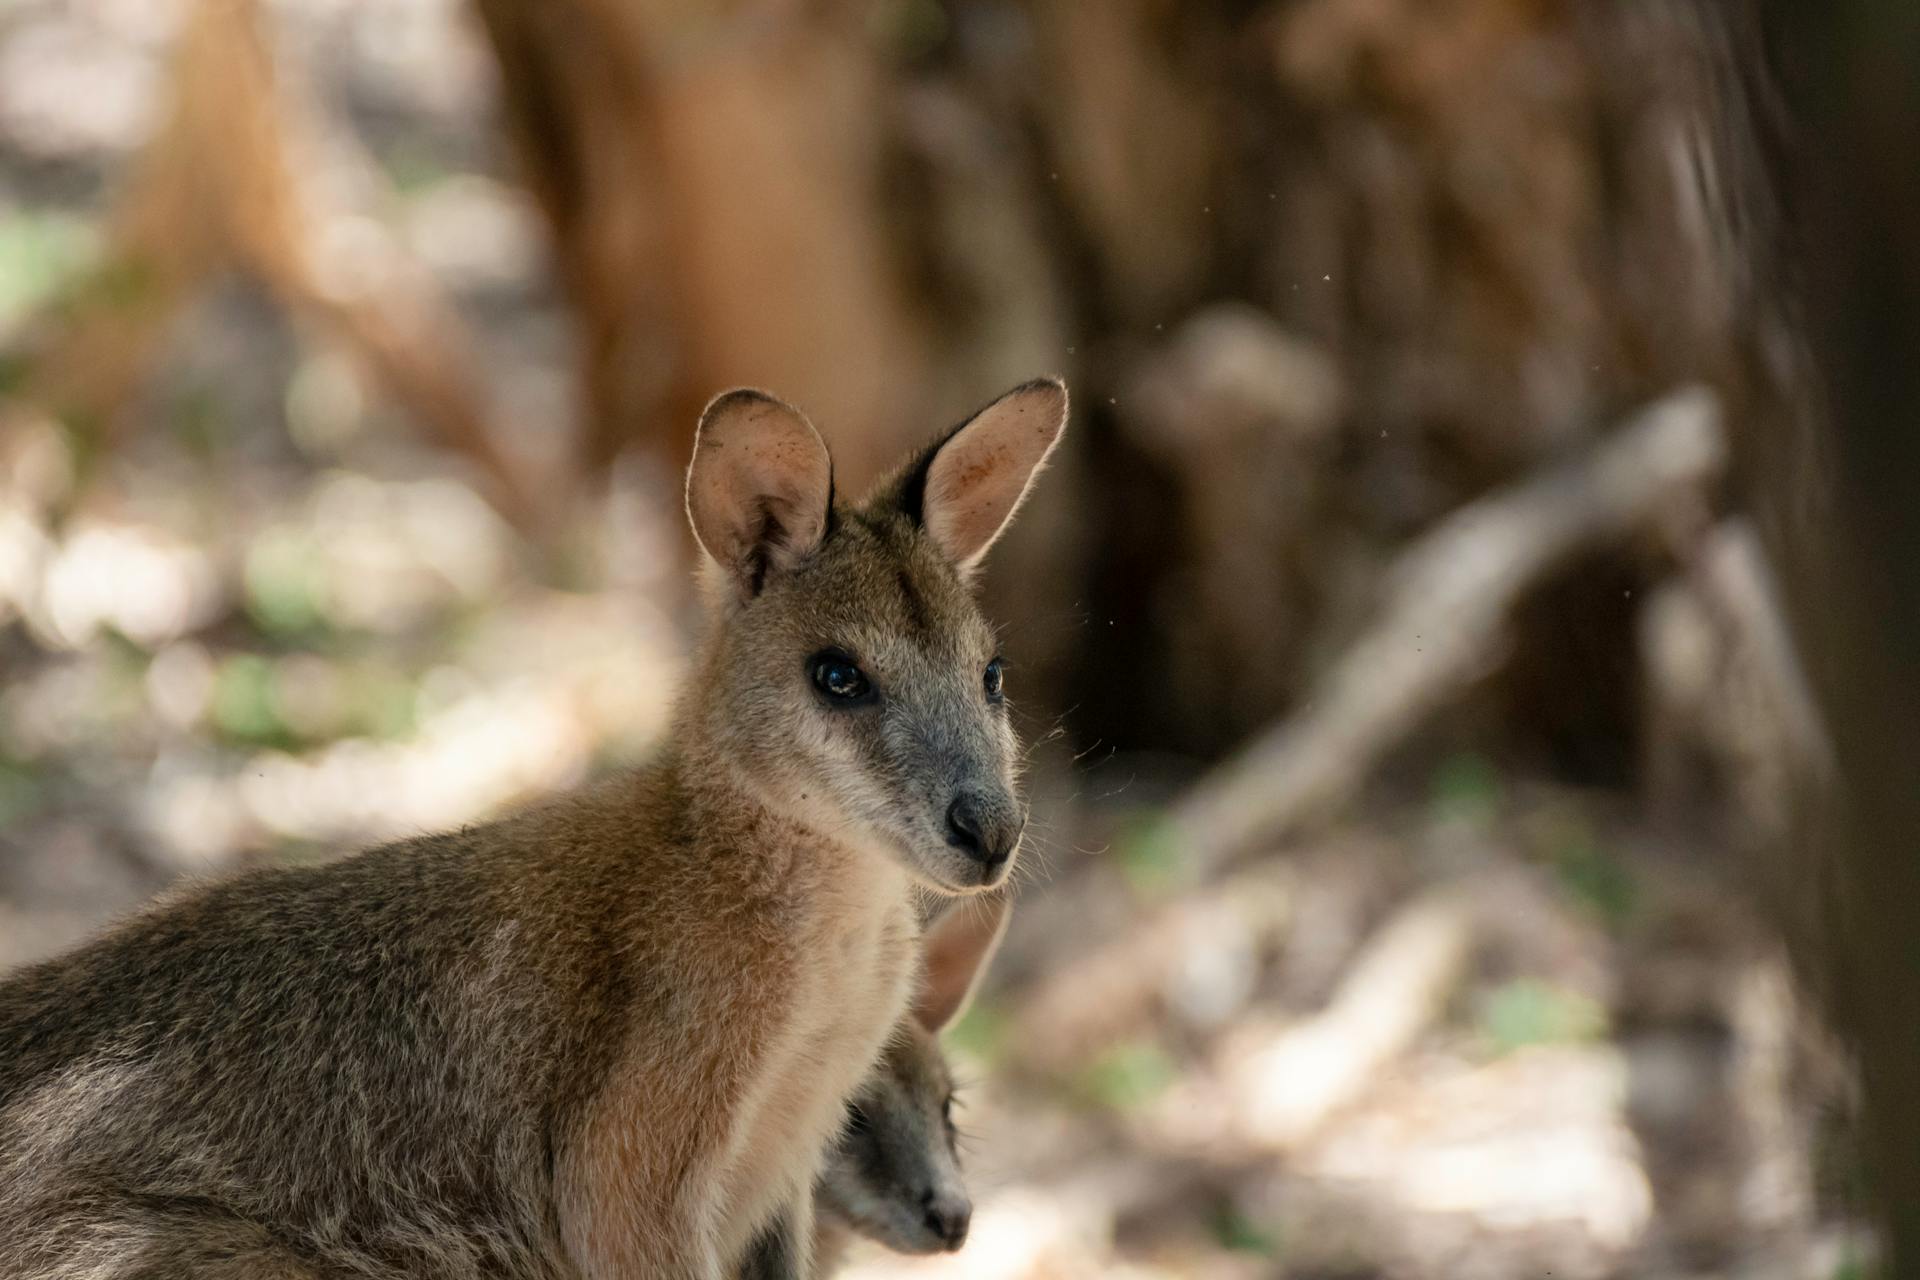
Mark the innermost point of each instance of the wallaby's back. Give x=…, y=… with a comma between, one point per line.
x=375, y=1053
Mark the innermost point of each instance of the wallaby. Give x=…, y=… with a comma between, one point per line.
x=894, y=1175
x=610, y=1037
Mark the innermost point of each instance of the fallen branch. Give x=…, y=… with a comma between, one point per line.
x=1270, y=1093
x=1278, y=1086
x=1448, y=601
x=1175, y=957
x=1450, y=596
x=1735, y=577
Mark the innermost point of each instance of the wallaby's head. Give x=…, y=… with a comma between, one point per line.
x=850, y=677
x=895, y=1177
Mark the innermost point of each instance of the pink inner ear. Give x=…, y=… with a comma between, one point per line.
x=758, y=488
x=957, y=949
x=979, y=476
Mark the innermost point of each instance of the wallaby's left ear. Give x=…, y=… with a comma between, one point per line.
x=978, y=475
x=956, y=949
x=759, y=488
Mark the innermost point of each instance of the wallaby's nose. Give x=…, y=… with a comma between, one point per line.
x=980, y=830
x=947, y=1217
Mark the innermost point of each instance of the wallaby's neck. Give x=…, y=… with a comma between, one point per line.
x=711, y=773
x=697, y=730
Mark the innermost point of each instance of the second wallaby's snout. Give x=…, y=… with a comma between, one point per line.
x=894, y=1176
x=861, y=683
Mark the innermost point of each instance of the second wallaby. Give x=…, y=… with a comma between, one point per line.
x=894, y=1174
x=608, y=1038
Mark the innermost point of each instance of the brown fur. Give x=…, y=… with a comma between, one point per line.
x=894, y=1176
x=609, y=1037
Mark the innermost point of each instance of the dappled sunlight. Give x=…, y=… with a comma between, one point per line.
x=1415, y=724
x=137, y=581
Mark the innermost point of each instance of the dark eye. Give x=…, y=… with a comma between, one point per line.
x=839, y=677
x=946, y=1111
x=993, y=678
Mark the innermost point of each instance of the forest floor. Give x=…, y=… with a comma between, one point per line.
x=1480, y=1026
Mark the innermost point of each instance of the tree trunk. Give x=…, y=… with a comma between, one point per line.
x=1839, y=486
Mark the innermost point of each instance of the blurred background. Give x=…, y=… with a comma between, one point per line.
x=1413, y=709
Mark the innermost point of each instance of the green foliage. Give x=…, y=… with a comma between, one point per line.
x=118, y=284
x=40, y=254
x=981, y=1032
x=1127, y=1076
x=1563, y=838
x=1466, y=789
x=285, y=583
x=20, y=793
x=252, y=702
x=243, y=707
x=1529, y=1011
x=385, y=703
x=412, y=166
x=1598, y=879
x=1852, y=1266
x=1149, y=854
x=199, y=419
x=1233, y=1229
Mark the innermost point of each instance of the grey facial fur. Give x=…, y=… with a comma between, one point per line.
x=931, y=746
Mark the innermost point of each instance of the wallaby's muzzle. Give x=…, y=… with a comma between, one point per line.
x=987, y=829
x=949, y=1214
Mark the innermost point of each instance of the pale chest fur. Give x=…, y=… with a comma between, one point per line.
x=853, y=975
x=709, y=1125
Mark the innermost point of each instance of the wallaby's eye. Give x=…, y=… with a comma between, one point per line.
x=946, y=1110
x=839, y=677
x=996, y=674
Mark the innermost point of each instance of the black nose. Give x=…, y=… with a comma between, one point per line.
x=972, y=827
x=947, y=1218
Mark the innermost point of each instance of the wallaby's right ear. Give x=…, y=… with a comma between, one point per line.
x=759, y=486
x=966, y=490
x=956, y=948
